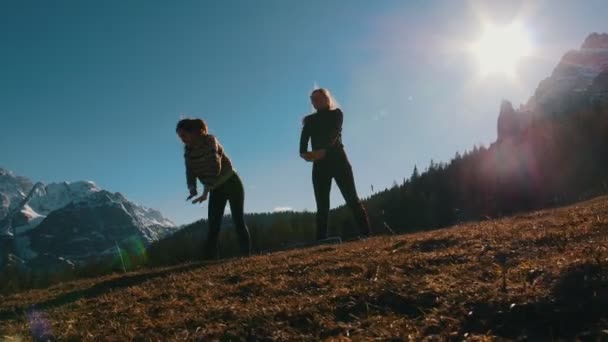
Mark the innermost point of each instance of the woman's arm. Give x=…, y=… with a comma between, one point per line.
x=190, y=180
x=305, y=136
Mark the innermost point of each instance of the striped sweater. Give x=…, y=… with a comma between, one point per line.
x=207, y=161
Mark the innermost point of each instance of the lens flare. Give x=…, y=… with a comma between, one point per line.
x=129, y=254
x=40, y=326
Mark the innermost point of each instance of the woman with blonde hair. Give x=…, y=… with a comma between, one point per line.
x=324, y=130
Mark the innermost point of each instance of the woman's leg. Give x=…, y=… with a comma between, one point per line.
x=346, y=182
x=236, y=197
x=321, y=180
x=217, y=205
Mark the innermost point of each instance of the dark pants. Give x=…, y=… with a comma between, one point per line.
x=231, y=191
x=336, y=166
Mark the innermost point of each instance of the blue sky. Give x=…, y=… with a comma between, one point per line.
x=93, y=89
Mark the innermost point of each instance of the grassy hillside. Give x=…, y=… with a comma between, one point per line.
x=541, y=275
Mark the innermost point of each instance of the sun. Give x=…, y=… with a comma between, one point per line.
x=499, y=49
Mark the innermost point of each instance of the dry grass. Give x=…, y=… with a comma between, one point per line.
x=542, y=275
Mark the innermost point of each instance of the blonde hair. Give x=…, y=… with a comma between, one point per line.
x=333, y=104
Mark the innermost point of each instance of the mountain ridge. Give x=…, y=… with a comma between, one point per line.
x=70, y=219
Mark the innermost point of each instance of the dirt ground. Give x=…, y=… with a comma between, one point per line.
x=535, y=276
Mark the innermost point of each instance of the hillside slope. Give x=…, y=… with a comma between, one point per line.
x=447, y=284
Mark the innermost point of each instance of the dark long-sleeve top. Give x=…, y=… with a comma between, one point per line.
x=323, y=129
x=207, y=161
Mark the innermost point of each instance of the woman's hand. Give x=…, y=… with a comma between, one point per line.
x=201, y=199
x=307, y=156
x=193, y=194
x=314, y=155
x=320, y=154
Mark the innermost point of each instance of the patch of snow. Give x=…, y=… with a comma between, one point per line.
x=5, y=232
x=30, y=213
x=57, y=195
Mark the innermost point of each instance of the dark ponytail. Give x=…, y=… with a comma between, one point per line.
x=192, y=126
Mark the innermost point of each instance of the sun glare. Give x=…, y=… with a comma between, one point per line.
x=500, y=49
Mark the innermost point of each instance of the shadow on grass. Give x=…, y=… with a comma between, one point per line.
x=576, y=308
x=97, y=290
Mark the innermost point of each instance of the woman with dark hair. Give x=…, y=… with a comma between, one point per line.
x=324, y=129
x=206, y=161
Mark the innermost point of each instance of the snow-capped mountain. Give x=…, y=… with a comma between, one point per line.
x=57, y=195
x=12, y=189
x=75, y=220
x=95, y=225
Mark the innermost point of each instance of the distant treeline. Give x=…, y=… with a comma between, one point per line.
x=17, y=275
